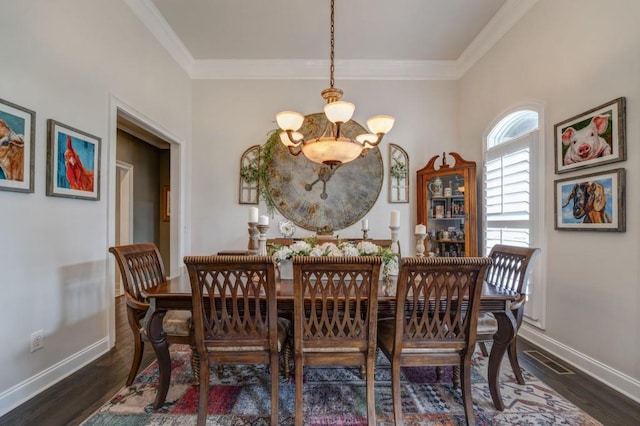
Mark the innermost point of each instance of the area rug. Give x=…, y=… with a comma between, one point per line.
x=335, y=396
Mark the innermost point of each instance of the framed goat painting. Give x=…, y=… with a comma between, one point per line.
x=17, y=135
x=73, y=162
x=592, y=138
x=594, y=202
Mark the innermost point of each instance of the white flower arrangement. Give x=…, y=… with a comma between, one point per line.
x=363, y=248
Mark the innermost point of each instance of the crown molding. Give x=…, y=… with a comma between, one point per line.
x=316, y=69
x=151, y=17
x=510, y=13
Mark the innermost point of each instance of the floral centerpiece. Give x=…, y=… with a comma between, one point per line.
x=310, y=247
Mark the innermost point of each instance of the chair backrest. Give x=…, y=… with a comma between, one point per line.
x=511, y=267
x=234, y=300
x=335, y=302
x=141, y=268
x=437, y=300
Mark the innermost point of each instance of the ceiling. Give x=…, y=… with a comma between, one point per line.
x=434, y=38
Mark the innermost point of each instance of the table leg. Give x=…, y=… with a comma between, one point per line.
x=157, y=337
x=506, y=332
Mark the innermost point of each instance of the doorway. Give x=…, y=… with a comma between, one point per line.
x=124, y=212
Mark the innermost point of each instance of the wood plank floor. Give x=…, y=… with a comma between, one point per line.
x=75, y=398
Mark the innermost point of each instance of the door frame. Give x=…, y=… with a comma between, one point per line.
x=178, y=239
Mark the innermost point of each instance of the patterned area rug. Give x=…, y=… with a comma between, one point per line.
x=335, y=396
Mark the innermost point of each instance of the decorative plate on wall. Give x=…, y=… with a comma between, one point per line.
x=315, y=196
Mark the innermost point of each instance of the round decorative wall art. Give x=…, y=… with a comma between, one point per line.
x=315, y=196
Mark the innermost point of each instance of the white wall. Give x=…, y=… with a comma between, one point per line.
x=231, y=116
x=574, y=56
x=65, y=60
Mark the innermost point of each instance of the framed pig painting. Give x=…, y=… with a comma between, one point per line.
x=593, y=202
x=592, y=138
x=73, y=162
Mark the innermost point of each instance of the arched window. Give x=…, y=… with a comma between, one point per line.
x=512, y=207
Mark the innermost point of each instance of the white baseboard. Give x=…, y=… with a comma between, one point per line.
x=22, y=392
x=621, y=382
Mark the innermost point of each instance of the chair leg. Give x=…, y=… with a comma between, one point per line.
x=203, y=392
x=395, y=389
x=138, y=350
x=456, y=377
x=483, y=349
x=438, y=373
x=195, y=364
x=513, y=359
x=299, y=376
x=371, y=397
x=286, y=359
x=467, y=400
x=275, y=381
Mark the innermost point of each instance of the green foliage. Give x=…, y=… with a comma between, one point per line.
x=266, y=156
x=249, y=173
x=399, y=171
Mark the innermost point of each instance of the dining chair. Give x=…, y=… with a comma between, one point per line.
x=510, y=270
x=436, y=314
x=335, y=310
x=141, y=268
x=235, y=318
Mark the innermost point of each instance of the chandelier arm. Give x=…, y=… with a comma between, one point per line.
x=295, y=150
x=290, y=136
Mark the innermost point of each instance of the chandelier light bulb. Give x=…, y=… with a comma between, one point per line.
x=339, y=112
x=296, y=136
x=380, y=124
x=289, y=120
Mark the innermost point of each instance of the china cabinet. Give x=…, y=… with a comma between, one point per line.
x=447, y=206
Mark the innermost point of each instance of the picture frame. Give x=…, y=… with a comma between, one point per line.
x=165, y=203
x=73, y=162
x=17, y=147
x=398, y=174
x=593, y=138
x=592, y=202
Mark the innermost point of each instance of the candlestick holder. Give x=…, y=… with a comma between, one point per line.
x=420, y=244
x=252, y=247
x=262, y=240
x=394, y=239
x=365, y=234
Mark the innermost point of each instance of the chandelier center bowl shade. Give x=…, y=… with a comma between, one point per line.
x=332, y=148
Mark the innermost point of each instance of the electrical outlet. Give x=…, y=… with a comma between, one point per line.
x=37, y=340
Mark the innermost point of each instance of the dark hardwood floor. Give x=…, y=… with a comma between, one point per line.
x=75, y=398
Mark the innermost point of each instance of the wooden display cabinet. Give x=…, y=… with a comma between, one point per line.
x=447, y=206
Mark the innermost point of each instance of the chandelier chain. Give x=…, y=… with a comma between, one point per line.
x=332, y=67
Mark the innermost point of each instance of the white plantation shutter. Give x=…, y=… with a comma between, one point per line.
x=507, y=194
x=512, y=200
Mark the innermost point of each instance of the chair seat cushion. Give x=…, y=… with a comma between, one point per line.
x=284, y=328
x=487, y=323
x=176, y=323
x=385, y=340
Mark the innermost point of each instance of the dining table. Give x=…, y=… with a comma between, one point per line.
x=175, y=293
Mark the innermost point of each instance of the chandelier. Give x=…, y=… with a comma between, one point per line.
x=332, y=148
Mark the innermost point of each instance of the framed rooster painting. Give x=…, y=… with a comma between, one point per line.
x=17, y=131
x=73, y=162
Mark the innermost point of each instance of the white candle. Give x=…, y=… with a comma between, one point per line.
x=395, y=218
x=421, y=229
x=365, y=223
x=253, y=214
x=263, y=220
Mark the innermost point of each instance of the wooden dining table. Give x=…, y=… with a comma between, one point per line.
x=176, y=294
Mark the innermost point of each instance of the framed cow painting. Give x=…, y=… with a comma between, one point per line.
x=592, y=138
x=73, y=162
x=594, y=202
x=17, y=134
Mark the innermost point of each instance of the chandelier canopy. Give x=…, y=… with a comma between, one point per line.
x=332, y=148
